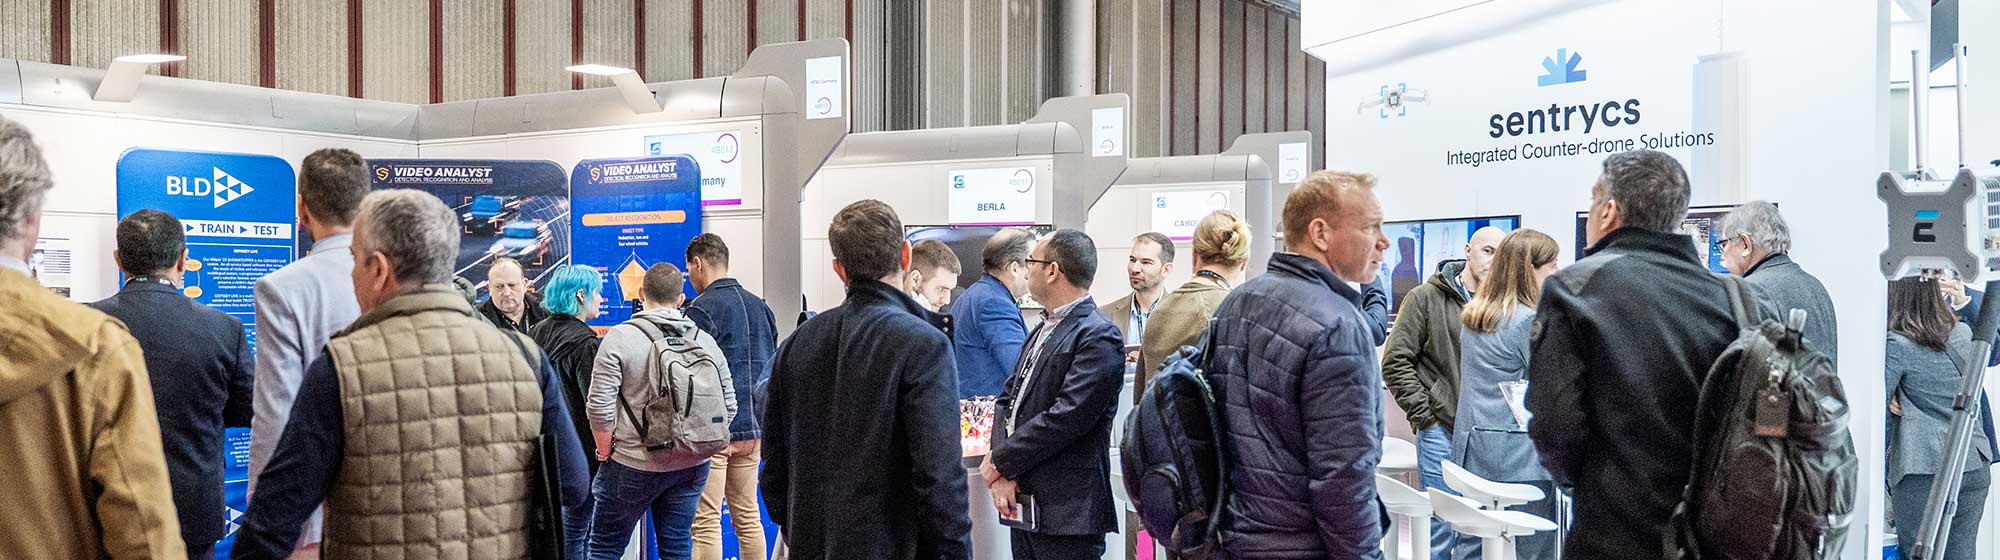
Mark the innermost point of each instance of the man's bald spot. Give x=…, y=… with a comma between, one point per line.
x=1486, y=235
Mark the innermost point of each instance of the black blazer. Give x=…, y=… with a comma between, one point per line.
x=199, y=365
x=1059, y=449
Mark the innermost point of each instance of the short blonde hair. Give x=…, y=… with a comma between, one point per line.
x=1222, y=238
x=1319, y=196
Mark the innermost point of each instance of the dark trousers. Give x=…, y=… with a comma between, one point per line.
x=622, y=494
x=1037, y=546
x=201, y=552
x=1907, y=507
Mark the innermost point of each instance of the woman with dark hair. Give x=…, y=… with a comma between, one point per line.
x=1921, y=376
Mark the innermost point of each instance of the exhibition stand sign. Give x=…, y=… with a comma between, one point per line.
x=506, y=209
x=629, y=214
x=997, y=196
x=719, y=154
x=1176, y=213
x=239, y=214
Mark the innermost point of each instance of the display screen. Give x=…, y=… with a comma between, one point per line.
x=966, y=242
x=1417, y=247
x=1703, y=225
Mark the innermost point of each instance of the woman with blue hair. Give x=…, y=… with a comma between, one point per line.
x=573, y=296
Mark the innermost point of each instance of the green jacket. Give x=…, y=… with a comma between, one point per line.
x=1420, y=362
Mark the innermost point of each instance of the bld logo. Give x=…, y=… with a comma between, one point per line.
x=958, y=181
x=1561, y=69
x=224, y=187
x=1159, y=202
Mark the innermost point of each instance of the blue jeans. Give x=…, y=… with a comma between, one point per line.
x=1433, y=448
x=576, y=531
x=623, y=494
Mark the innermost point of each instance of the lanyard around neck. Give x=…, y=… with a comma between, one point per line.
x=1211, y=275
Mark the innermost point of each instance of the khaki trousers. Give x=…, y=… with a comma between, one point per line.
x=732, y=478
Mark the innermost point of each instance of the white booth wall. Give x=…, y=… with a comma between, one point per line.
x=83, y=147
x=1797, y=120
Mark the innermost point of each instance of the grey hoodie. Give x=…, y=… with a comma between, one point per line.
x=621, y=370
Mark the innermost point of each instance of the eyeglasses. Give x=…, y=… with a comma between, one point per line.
x=1038, y=261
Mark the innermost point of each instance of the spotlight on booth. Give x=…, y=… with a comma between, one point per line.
x=121, y=81
x=634, y=90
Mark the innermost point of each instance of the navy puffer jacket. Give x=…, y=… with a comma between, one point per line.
x=1295, y=368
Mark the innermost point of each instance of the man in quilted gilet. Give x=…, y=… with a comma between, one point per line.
x=417, y=425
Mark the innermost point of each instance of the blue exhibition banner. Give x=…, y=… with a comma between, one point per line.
x=238, y=210
x=629, y=214
x=506, y=208
x=239, y=214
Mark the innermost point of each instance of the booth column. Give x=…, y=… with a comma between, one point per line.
x=1078, y=19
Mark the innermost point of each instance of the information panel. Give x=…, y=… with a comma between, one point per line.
x=998, y=196
x=1176, y=213
x=630, y=213
x=238, y=210
x=718, y=154
x=512, y=209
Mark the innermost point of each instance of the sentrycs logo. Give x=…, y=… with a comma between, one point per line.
x=221, y=185
x=1561, y=69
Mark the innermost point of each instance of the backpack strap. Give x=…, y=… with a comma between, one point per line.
x=1204, y=347
x=1742, y=301
x=652, y=332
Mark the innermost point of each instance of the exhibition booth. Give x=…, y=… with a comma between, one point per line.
x=1473, y=114
x=613, y=178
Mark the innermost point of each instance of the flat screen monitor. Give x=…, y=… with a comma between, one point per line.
x=1703, y=226
x=966, y=242
x=1416, y=247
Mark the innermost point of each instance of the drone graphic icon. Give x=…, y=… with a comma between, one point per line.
x=1396, y=100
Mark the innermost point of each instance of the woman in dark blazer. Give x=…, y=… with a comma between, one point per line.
x=1921, y=376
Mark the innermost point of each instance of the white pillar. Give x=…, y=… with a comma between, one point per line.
x=1078, y=47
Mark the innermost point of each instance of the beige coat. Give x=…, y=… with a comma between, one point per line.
x=81, y=438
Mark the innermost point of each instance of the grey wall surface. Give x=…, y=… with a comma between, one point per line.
x=1200, y=72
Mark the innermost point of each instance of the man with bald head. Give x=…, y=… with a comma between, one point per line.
x=1421, y=361
x=509, y=304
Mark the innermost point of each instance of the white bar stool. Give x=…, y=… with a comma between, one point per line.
x=1408, y=507
x=1399, y=457
x=1495, y=529
x=1488, y=494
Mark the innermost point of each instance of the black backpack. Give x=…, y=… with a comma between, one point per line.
x=1774, y=466
x=1172, y=455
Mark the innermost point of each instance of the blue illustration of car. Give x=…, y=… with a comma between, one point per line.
x=489, y=212
x=523, y=240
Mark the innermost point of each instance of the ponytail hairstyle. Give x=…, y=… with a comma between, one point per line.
x=1222, y=238
x=1512, y=282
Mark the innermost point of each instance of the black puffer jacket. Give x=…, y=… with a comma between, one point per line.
x=572, y=349
x=1295, y=369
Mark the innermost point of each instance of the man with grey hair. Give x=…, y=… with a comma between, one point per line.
x=419, y=379
x=987, y=329
x=1621, y=343
x=86, y=476
x=1756, y=245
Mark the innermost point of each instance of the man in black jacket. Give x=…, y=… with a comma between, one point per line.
x=199, y=363
x=509, y=303
x=1054, y=416
x=1621, y=344
x=861, y=444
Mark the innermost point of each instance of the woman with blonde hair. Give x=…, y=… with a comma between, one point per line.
x=1221, y=253
x=1493, y=362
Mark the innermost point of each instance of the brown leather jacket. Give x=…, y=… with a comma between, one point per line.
x=84, y=475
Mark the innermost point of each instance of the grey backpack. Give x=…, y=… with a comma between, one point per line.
x=686, y=409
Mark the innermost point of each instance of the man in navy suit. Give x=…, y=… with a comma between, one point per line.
x=198, y=361
x=1054, y=415
x=987, y=328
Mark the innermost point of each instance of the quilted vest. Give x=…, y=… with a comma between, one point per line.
x=441, y=415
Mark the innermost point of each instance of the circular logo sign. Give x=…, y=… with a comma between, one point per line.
x=823, y=106
x=1025, y=179
x=1291, y=175
x=1105, y=147
x=726, y=146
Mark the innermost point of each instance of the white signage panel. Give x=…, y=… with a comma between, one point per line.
x=991, y=196
x=720, y=155
x=823, y=88
x=1292, y=164
x=1176, y=213
x=1107, y=127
